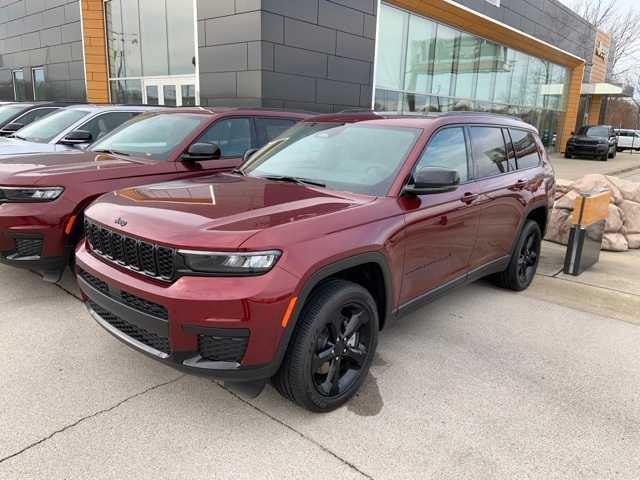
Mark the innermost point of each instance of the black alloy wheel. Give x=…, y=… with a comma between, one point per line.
x=341, y=350
x=528, y=258
x=522, y=268
x=332, y=347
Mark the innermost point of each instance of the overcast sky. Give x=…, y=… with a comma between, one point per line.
x=623, y=3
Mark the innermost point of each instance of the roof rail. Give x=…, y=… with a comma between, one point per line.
x=430, y=114
x=265, y=109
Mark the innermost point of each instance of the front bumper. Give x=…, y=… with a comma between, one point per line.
x=587, y=150
x=225, y=328
x=32, y=237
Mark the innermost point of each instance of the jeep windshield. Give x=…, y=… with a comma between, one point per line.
x=358, y=158
x=597, y=132
x=153, y=137
x=49, y=127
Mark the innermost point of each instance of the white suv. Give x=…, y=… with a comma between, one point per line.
x=628, y=139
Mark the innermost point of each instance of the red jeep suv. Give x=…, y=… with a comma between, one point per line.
x=287, y=268
x=43, y=197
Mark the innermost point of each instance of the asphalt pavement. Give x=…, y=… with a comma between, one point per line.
x=481, y=384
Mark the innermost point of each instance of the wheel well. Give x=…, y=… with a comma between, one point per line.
x=371, y=277
x=539, y=215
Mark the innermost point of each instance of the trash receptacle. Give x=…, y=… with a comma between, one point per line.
x=588, y=224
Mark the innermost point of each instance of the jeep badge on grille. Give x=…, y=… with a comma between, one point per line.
x=121, y=221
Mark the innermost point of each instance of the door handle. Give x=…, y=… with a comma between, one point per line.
x=469, y=198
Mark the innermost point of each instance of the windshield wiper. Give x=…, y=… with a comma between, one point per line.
x=298, y=180
x=112, y=152
x=237, y=171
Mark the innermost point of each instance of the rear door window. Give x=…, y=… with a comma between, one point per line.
x=269, y=128
x=447, y=148
x=526, y=148
x=489, y=151
x=102, y=124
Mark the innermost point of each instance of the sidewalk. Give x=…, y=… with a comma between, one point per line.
x=610, y=288
x=572, y=169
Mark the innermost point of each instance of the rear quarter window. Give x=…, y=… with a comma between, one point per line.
x=527, y=153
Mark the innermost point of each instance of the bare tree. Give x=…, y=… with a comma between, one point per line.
x=623, y=24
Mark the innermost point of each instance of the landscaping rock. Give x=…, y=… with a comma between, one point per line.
x=622, y=231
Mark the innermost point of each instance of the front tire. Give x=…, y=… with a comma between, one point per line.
x=524, y=261
x=332, y=348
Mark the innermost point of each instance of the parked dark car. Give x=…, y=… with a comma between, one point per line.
x=42, y=197
x=289, y=267
x=14, y=116
x=68, y=129
x=599, y=142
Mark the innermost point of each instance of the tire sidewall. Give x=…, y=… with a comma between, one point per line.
x=529, y=228
x=351, y=293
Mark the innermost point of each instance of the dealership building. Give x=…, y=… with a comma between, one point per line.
x=535, y=59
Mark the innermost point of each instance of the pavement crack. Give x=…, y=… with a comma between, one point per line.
x=88, y=417
x=289, y=427
x=609, y=289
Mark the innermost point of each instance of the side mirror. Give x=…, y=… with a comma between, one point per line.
x=431, y=180
x=202, y=151
x=77, y=137
x=11, y=128
x=249, y=153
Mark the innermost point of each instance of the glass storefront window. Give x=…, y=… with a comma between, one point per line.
x=37, y=77
x=181, y=34
x=444, y=60
x=160, y=45
x=420, y=52
x=467, y=56
x=390, y=57
x=123, y=37
x=126, y=91
x=155, y=50
x=487, y=70
x=19, y=86
x=424, y=66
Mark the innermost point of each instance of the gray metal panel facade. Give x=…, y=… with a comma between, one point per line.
x=45, y=33
x=547, y=20
x=308, y=54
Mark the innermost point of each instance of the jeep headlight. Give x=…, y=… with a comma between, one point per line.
x=230, y=263
x=29, y=194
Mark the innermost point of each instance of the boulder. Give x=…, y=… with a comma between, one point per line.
x=559, y=226
x=622, y=230
x=614, y=219
x=595, y=181
x=629, y=190
x=615, y=242
x=631, y=212
x=633, y=240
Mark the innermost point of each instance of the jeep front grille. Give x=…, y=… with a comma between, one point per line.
x=142, y=257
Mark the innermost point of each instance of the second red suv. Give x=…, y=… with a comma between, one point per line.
x=43, y=196
x=288, y=268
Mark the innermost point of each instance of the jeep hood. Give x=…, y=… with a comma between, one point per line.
x=15, y=146
x=220, y=211
x=65, y=168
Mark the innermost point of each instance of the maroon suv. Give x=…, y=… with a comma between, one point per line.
x=287, y=268
x=43, y=197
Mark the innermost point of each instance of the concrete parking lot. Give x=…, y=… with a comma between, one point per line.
x=481, y=384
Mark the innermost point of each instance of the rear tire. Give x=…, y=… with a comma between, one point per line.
x=332, y=347
x=524, y=261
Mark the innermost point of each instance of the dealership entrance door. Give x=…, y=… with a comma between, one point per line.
x=170, y=91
